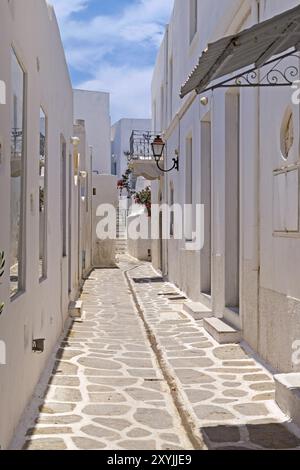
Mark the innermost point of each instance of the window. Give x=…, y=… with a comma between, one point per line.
x=193, y=18
x=64, y=196
x=17, y=180
x=43, y=196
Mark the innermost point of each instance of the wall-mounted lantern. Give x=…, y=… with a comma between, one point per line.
x=158, y=146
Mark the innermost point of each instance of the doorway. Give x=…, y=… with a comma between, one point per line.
x=206, y=200
x=232, y=203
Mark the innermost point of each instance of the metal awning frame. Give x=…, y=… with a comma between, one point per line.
x=274, y=77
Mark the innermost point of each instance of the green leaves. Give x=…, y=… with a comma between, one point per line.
x=2, y=263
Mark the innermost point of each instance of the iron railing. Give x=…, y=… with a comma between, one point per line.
x=140, y=145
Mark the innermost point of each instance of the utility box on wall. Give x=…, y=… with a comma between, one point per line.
x=286, y=201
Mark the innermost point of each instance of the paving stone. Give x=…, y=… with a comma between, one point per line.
x=105, y=410
x=190, y=376
x=192, y=362
x=255, y=377
x=212, y=413
x=170, y=437
x=235, y=370
x=66, y=354
x=234, y=393
x=204, y=345
x=156, y=419
x=71, y=395
x=65, y=368
x=99, y=363
x=113, y=382
x=138, y=433
x=232, y=384
x=222, y=434
x=196, y=396
x=251, y=409
x=49, y=430
x=229, y=352
x=65, y=381
x=263, y=386
x=272, y=436
x=102, y=373
x=143, y=373
x=117, y=424
x=141, y=394
x=97, y=431
x=264, y=396
x=52, y=408
x=84, y=443
x=238, y=364
x=68, y=419
x=138, y=445
x=99, y=388
x=111, y=397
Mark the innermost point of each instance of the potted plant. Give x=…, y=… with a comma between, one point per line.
x=143, y=198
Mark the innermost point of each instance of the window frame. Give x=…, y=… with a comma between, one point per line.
x=23, y=189
x=44, y=275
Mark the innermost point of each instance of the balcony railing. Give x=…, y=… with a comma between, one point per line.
x=140, y=145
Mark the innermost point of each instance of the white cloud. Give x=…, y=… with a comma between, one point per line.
x=129, y=88
x=64, y=8
x=140, y=25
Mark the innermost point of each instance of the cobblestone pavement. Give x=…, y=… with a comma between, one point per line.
x=228, y=395
x=108, y=389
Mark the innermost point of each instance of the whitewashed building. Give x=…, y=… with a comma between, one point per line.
x=46, y=200
x=120, y=133
x=94, y=108
x=239, y=156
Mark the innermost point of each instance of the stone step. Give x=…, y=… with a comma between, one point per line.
x=287, y=395
x=197, y=310
x=76, y=309
x=221, y=331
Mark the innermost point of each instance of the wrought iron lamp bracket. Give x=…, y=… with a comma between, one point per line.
x=175, y=166
x=277, y=72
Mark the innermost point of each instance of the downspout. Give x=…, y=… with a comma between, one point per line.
x=256, y=8
x=165, y=119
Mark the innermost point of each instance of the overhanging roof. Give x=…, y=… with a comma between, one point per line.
x=252, y=47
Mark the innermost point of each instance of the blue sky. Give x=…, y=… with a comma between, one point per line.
x=111, y=45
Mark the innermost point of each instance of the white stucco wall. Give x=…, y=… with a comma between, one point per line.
x=121, y=132
x=42, y=309
x=94, y=108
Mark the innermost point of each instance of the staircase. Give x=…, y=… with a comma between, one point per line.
x=121, y=242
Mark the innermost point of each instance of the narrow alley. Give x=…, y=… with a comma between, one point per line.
x=136, y=372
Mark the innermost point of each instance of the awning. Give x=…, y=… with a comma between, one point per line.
x=253, y=47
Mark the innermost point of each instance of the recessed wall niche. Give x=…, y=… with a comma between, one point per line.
x=287, y=134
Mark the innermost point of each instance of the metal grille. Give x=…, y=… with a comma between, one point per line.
x=140, y=145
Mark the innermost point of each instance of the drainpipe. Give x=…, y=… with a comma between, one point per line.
x=256, y=6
